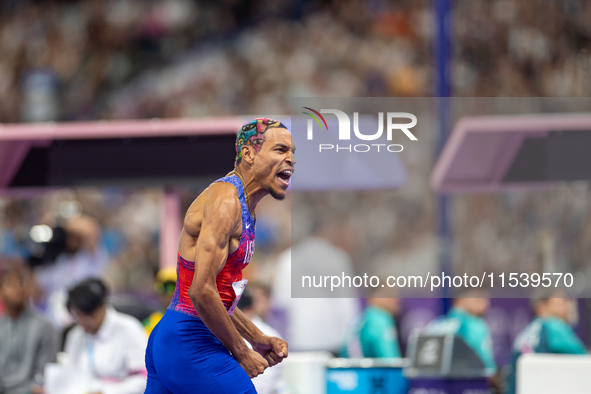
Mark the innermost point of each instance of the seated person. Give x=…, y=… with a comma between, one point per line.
x=549, y=332
x=465, y=320
x=27, y=340
x=376, y=335
x=108, y=346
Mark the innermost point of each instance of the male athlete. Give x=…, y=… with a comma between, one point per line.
x=197, y=347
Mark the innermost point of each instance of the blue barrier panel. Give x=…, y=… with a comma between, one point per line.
x=361, y=376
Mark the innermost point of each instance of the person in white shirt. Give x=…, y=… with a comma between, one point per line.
x=107, y=346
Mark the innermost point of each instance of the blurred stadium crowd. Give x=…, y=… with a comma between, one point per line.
x=120, y=59
x=71, y=60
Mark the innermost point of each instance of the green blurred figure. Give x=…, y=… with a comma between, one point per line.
x=465, y=320
x=376, y=335
x=549, y=332
x=164, y=286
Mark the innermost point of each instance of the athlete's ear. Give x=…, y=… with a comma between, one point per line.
x=248, y=154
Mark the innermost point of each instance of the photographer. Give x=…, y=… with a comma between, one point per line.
x=83, y=257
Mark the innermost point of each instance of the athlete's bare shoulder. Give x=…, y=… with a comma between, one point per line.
x=220, y=201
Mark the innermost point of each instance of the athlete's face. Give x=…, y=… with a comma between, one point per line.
x=275, y=162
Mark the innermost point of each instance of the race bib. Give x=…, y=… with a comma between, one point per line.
x=238, y=290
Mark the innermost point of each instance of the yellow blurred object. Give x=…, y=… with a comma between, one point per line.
x=151, y=321
x=163, y=285
x=167, y=274
x=165, y=281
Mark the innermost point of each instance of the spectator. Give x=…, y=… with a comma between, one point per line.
x=465, y=320
x=376, y=335
x=164, y=286
x=27, y=340
x=271, y=382
x=549, y=332
x=108, y=346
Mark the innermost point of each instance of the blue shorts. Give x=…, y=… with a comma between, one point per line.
x=184, y=357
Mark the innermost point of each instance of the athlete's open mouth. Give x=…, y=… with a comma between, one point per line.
x=285, y=175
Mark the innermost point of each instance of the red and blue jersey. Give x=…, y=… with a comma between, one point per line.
x=230, y=276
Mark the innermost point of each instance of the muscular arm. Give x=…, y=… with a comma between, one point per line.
x=273, y=349
x=245, y=327
x=221, y=217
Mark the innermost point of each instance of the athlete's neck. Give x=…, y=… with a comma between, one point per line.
x=252, y=188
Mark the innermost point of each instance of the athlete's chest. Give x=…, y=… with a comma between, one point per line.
x=243, y=254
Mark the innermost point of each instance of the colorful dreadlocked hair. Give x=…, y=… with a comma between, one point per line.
x=253, y=133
